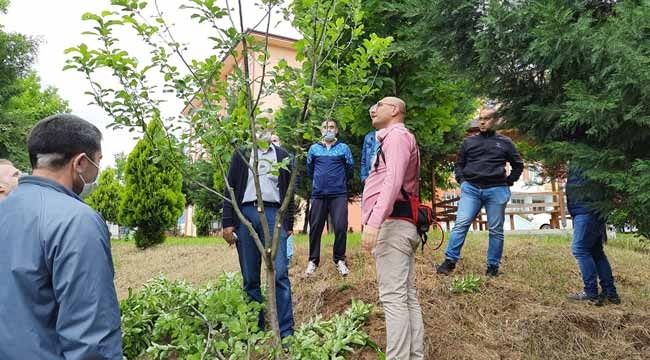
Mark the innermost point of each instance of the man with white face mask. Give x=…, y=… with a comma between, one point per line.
x=330, y=165
x=58, y=299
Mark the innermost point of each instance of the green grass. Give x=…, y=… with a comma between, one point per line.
x=354, y=239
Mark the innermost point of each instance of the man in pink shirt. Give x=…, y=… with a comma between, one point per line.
x=391, y=238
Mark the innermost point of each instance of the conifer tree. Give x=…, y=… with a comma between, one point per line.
x=107, y=197
x=153, y=200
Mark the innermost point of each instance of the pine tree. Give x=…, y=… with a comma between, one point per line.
x=573, y=77
x=153, y=200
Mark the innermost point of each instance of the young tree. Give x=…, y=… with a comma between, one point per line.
x=107, y=197
x=152, y=199
x=571, y=75
x=226, y=112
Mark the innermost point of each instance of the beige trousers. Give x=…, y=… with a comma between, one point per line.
x=395, y=261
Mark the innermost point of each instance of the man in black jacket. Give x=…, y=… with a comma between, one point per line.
x=274, y=188
x=480, y=171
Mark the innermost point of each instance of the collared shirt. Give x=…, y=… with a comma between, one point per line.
x=268, y=181
x=400, y=169
x=57, y=297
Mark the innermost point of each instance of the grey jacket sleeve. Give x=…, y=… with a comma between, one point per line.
x=88, y=319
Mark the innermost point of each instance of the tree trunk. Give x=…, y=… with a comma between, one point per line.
x=271, y=299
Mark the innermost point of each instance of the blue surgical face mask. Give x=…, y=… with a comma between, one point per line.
x=329, y=136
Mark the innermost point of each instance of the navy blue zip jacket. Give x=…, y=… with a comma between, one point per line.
x=330, y=169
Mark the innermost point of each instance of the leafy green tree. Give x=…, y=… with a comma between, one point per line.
x=199, y=178
x=21, y=112
x=225, y=114
x=571, y=75
x=22, y=102
x=107, y=197
x=152, y=200
x=440, y=101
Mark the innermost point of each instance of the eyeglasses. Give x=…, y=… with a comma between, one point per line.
x=379, y=104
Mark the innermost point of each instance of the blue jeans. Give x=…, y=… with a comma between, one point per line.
x=472, y=198
x=587, y=247
x=250, y=263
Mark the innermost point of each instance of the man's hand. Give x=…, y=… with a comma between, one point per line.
x=229, y=235
x=369, y=238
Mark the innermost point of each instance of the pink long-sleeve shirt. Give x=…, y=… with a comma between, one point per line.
x=401, y=168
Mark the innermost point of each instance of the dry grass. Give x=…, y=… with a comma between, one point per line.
x=522, y=314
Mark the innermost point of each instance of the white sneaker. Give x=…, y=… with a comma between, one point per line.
x=342, y=268
x=311, y=268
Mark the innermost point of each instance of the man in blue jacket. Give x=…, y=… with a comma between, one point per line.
x=368, y=150
x=370, y=145
x=330, y=165
x=588, y=238
x=57, y=300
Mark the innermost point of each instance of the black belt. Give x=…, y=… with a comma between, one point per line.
x=266, y=204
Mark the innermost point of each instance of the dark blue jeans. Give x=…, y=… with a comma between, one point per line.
x=472, y=198
x=250, y=263
x=587, y=247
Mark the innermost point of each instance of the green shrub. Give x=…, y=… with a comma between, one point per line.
x=174, y=320
x=467, y=284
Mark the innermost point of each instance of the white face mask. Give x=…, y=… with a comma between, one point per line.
x=329, y=136
x=89, y=186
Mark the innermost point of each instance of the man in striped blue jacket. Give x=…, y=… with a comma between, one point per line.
x=330, y=165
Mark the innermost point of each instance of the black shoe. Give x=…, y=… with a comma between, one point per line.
x=613, y=299
x=446, y=267
x=492, y=271
x=582, y=296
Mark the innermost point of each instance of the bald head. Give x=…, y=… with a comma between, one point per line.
x=388, y=111
x=401, y=105
x=8, y=178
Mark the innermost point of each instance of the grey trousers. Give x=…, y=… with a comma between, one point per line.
x=395, y=261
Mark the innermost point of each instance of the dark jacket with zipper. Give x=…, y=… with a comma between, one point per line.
x=238, y=178
x=482, y=159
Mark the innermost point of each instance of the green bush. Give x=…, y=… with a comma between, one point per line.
x=174, y=320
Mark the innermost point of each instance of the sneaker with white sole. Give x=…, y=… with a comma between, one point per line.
x=342, y=268
x=311, y=268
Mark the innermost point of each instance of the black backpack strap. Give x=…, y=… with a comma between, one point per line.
x=380, y=155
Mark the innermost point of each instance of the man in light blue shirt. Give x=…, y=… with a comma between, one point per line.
x=57, y=300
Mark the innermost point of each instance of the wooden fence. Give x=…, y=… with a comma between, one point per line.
x=446, y=210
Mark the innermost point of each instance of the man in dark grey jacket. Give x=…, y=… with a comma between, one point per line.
x=480, y=171
x=274, y=189
x=57, y=300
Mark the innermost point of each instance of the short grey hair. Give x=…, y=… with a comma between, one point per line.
x=48, y=160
